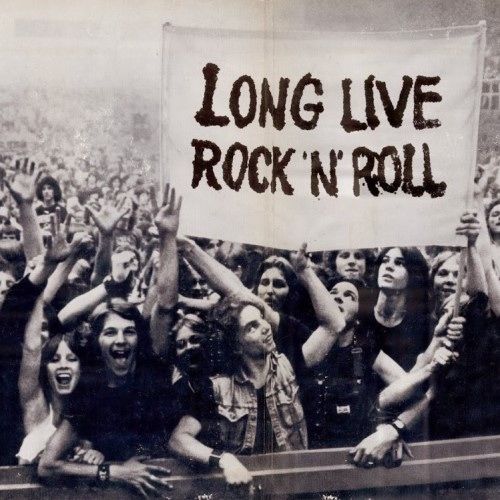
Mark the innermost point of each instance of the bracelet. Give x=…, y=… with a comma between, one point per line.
x=214, y=458
x=103, y=473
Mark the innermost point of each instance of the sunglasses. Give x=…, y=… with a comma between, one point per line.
x=193, y=340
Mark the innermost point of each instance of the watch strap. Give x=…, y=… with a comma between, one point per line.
x=214, y=458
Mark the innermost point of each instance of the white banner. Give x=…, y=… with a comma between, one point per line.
x=343, y=140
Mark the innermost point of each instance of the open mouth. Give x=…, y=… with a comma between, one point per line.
x=120, y=353
x=63, y=378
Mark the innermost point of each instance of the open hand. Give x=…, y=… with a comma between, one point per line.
x=23, y=187
x=109, y=216
x=58, y=248
x=167, y=218
x=146, y=479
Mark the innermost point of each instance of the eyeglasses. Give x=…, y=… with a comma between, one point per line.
x=193, y=340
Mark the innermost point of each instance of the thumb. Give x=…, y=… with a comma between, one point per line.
x=141, y=458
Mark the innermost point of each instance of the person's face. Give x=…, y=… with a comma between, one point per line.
x=254, y=335
x=189, y=356
x=116, y=184
x=91, y=181
x=446, y=279
x=350, y=264
x=346, y=295
x=199, y=286
x=392, y=273
x=494, y=219
x=118, y=343
x=63, y=370
x=47, y=193
x=6, y=281
x=273, y=288
x=83, y=333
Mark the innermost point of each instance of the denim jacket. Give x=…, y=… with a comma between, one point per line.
x=236, y=402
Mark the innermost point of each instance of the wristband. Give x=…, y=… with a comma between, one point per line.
x=103, y=473
x=114, y=289
x=214, y=458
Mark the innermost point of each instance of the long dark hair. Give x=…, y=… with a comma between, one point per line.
x=48, y=351
x=418, y=278
x=225, y=323
x=51, y=182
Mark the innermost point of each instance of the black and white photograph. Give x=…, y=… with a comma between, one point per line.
x=250, y=249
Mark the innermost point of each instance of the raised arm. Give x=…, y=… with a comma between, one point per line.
x=470, y=227
x=22, y=190
x=59, y=276
x=407, y=387
x=167, y=222
x=330, y=319
x=223, y=280
x=33, y=402
x=106, y=221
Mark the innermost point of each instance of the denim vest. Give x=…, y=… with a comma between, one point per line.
x=236, y=400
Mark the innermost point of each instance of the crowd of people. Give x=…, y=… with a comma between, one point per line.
x=120, y=338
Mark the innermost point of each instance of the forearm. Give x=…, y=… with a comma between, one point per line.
x=82, y=305
x=476, y=279
x=317, y=346
x=188, y=447
x=412, y=415
x=168, y=275
x=149, y=301
x=425, y=357
x=57, y=279
x=102, y=266
x=327, y=311
x=40, y=275
x=220, y=278
x=62, y=468
x=405, y=388
x=200, y=304
x=161, y=323
x=32, y=235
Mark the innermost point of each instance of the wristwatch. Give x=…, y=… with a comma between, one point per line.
x=400, y=428
x=214, y=458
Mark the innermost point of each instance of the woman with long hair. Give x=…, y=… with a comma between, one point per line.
x=400, y=316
